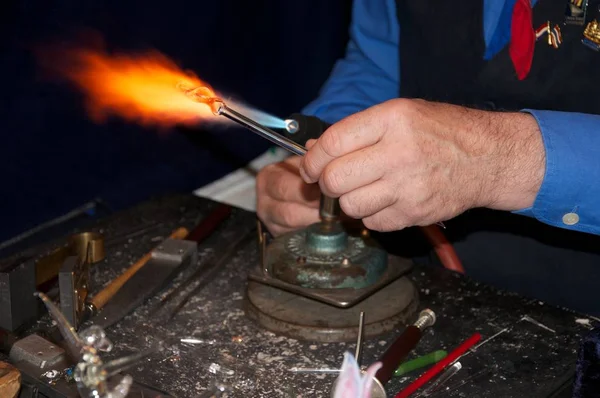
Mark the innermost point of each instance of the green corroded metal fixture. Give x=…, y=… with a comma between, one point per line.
x=325, y=255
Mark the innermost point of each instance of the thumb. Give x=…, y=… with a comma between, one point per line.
x=310, y=143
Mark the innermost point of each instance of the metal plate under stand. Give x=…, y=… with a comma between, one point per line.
x=341, y=297
x=326, y=264
x=290, y=312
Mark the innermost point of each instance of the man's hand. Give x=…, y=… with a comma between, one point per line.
x=285, y=202
x=411, y=162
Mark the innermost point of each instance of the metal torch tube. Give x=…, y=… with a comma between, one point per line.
x=261, y=130
x=330, y=208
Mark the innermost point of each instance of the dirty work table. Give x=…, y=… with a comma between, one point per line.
x=525, y=361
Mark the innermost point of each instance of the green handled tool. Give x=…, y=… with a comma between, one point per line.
x=420, y=362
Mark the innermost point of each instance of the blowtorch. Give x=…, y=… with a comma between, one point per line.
x=299, y=127
x=219, y=108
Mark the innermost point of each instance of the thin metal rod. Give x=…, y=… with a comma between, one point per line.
x=74, y=341
x=441, y=380
x=315, y=370
x=59, y=220
x=261, y=130
x=359, y=341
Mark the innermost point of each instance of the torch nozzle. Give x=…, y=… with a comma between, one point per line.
x=219, y=108
x=206, y=96
x=292, y=126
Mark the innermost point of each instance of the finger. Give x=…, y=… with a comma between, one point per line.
x=287, y=186
x=352, y=171
x=351, y=134
x=276, y=230
x=281, y=181
x=386, y=220
x=292, y=215
x=368, y=200
x=267, y=209
x=293, y=161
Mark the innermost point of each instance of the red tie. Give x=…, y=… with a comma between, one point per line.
x=522, y=41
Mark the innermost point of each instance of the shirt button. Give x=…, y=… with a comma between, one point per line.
x=570, y=219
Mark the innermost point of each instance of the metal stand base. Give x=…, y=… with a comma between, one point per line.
x=297, y=316
x=339, y=297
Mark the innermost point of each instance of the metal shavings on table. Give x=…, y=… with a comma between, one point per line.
x=212, y=342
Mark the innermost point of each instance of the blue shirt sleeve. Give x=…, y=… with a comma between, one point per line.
x=570, y=192
x=369, y=73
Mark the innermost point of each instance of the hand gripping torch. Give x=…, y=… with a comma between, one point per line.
x=299, y=129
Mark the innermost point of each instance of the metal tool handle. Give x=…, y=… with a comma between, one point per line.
x=311, y=127
x=329, y=208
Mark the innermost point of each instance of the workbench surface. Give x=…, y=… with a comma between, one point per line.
x=527, y=360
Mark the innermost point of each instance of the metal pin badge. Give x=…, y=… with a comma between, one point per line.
x=554, y=34
x=591, y=35
x=575, y=12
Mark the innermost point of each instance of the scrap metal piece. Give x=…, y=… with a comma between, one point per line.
x=88, y=246
x=38, y=352
x=216, y=391
x=165, y=260
x=529, y=319
x=73, y=282
x=48, y=265
x=17, y=304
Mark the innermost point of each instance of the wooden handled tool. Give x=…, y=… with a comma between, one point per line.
x=10, y=380
x=100, y=299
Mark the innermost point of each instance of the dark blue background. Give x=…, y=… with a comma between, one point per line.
x=274, y=55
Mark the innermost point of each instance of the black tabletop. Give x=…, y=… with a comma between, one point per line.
x=524, y=359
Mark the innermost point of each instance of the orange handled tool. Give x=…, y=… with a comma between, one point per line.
x=10, y=380
x=100, y=299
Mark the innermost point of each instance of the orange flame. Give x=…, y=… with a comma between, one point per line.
x=146, y=88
